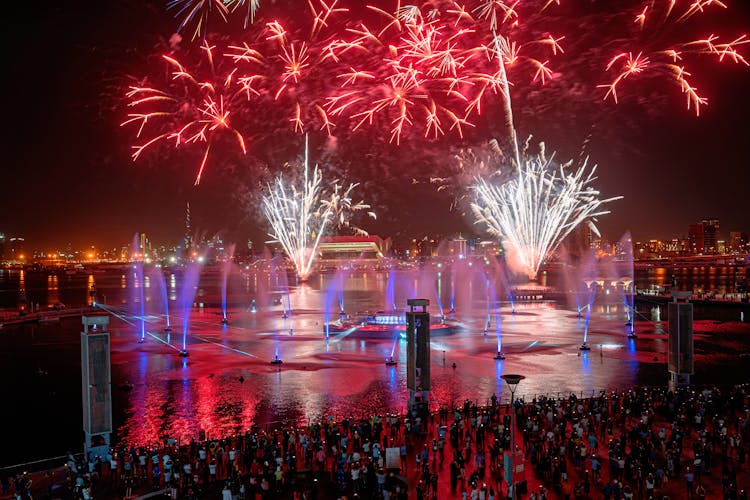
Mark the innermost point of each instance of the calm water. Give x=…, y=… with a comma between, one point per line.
x=227, y=383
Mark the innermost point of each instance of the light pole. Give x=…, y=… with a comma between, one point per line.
x=512, y=380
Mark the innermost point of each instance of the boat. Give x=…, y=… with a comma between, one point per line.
x=343, y=325
x=385, y=325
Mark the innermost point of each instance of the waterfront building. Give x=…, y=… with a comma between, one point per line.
x=710, y=235
x=360, y=248
x=695, y=238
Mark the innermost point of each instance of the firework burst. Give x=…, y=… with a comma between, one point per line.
x=198, y=13
x=250, y=7
x=298, y=217
x=534, y=211
x=189, y=110
x=429, y=69
x=343, y=208
x=649, y=55
x=413, y=71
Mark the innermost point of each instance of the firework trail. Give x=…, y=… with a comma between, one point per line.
x=343, y=208
x=190, y=110
x=429, y=69
x=250, y=6
x=198, y=13
x=298, y=217
x=648, y=54
x=538, y=208
x=464, y=166
x=414, y=71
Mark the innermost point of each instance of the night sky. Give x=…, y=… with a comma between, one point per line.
x=67, y=174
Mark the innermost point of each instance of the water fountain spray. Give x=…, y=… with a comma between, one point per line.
x=189, y=286
x=276, y=358
x=390, y=292
x=591, y=294
x=138, y=284
x=225, y=270
x=498, y=322
x=391, y=360
x=159, y=273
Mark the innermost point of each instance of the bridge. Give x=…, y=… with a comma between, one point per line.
x=739, y=260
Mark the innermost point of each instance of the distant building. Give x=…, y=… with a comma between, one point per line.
x=593, y=240
x=145, y=246
x=695, y=238
x=488, y=248
x=16, y=252
x=425, y=247
x=336, y=248
x=673, y=247
x=458, y=247
x=640, y=250
x=737, y=242
x=710, y=235
x=188, y=238
x=655, y=247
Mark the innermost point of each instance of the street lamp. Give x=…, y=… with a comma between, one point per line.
x=512, y=380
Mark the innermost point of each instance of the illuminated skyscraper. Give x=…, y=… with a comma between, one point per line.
x=188, y=232
x=695, y=238
x=710, y=235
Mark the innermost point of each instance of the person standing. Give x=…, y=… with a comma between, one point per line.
x=689, y=482
x=226, y=493
x=128, y=487
x=700, y=492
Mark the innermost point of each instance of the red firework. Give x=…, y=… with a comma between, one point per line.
x=652, y=56
x=190, y=110
x=424, y=70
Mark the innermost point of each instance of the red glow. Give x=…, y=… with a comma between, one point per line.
x=420, y=70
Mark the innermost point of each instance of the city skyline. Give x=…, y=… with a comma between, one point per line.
x=69, y=177
x=703, y=237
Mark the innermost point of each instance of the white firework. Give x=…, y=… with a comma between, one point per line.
x=252, y=7
x=343, y=208
x=298, y=217
x=535, y=210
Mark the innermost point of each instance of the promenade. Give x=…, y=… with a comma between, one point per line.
x=10, y=318
x=641, y=443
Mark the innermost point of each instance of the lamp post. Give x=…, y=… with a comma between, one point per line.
x=512, y=380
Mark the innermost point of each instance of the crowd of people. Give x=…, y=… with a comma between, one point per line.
x=642, y=443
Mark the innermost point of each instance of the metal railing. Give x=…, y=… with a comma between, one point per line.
x=38, y=465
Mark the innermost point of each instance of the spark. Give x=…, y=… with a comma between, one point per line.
x=198, y=12
x=654, y=61
x=298, y=217
x=352, y=75
x=410, y=70
x=295, y=60
x=497, y=12
x=533, y=212
x=640, y=19
x=252, y=7
x=343, y=208
x=189, y=110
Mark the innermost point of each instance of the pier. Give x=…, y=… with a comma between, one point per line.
x=15, y=318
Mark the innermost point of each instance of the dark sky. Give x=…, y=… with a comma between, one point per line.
x=67, y=175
